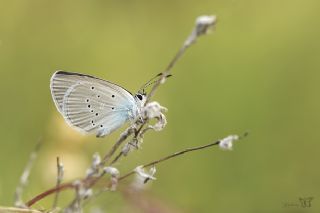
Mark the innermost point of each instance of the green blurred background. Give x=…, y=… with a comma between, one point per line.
x=258, y=71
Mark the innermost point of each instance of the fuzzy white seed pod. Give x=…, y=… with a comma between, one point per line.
x=76, y=183
x=203, y=26
x=86, y=193
x=96, y=159
x=227, y=143
x=126, y=149
x=145, y=175
x=153, y=110
x=114, y=172
x=162, y=122
x=94, y=168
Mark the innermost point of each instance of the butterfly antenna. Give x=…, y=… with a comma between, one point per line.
x=151, y=81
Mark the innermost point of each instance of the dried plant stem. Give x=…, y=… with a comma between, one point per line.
x=171, y=156
x=136, y=135
x=18, y=210
x=167, y=71
x=94, y=180
x=44, y=194
x=117, y=158
x=114, y=148
x=202, y=27
x=59, y=180
x=25, y=175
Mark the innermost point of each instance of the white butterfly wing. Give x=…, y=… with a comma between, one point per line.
x=91, y=104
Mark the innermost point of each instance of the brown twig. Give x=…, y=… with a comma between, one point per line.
x=49, y=192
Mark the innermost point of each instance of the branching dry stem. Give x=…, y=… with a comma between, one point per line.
x=152, y=163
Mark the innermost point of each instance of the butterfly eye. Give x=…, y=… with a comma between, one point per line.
x=140, y=97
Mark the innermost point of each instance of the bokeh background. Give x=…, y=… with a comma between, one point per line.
x=258, y=71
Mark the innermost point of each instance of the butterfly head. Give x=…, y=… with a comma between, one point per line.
x=140, y=98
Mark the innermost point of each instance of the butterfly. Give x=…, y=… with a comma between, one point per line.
x=93, y=105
